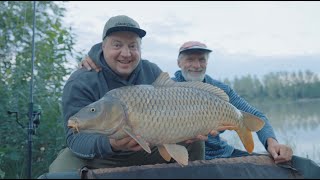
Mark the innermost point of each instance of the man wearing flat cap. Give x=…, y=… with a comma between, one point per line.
x=192, y=60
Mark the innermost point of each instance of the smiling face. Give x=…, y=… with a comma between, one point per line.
x=122, y=52
x=193, y=65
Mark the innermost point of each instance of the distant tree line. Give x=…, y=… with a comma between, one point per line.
x=278, y=85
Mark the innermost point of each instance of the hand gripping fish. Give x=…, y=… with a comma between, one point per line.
x=165, y=113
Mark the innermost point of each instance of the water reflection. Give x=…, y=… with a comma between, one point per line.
x=296, y=124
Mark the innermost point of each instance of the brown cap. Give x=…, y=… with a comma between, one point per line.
x=122, y=23
x=193, y=45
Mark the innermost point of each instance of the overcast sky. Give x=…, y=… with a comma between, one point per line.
x=246, y=37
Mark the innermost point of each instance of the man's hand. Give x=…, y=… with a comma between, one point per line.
x=212, y=132
x=279, y=152
x=198, y=138
x=87, y=63
x=125, y=144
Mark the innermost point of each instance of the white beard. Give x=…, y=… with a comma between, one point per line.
x=189, y=77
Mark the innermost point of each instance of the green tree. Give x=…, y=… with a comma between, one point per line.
x=247, y=86
x=258, y=88
x=53, y=50
x=279, y=85
x=272, y=85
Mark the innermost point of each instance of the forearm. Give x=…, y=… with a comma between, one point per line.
x=266, y=133
x=89, y=145
x=271, y=141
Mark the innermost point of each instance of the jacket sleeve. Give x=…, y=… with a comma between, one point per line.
x=85, y=145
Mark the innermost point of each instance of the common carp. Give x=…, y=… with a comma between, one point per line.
x=165, y=113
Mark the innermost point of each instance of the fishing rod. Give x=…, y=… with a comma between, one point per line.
x=34, y=116
x=34, y=112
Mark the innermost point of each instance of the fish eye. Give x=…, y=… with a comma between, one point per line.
x=92, y=109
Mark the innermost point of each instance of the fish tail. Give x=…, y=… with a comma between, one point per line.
x=246, y=138
x=250, y=123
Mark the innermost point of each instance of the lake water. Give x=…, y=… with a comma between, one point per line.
x=296, y=123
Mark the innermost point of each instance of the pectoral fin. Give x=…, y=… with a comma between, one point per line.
x=139, y=140
x=178, y=153
x=164, y=153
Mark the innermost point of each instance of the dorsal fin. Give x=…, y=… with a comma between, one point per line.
x=165, y=80
x=205, y=87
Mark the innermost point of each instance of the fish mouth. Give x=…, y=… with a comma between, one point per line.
x=73, y=123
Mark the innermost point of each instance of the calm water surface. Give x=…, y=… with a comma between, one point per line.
x=296, y=124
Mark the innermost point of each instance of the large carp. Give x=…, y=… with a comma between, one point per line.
x=165, y=113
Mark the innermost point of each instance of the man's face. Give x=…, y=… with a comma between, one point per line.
x=193, y=65
x=122, y=52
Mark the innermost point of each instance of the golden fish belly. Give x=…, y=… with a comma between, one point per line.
x=174, y=114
